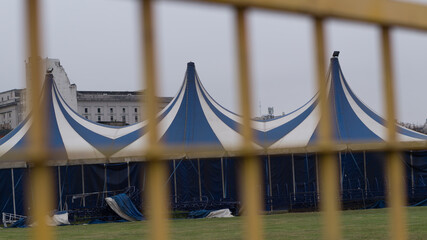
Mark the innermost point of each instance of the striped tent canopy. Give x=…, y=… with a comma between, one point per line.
x=352, y=120
x=194, y=119
x=71, y=138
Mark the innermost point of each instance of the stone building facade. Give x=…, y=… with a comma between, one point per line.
x=113, y=108
x=12, y=108
x=107, y=107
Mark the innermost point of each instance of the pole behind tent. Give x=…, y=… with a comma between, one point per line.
x=13, y=192
x=293, y=176
x=59, y=188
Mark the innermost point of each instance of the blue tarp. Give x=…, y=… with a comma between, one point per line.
x=21, y=223
x=127, y=207
x=199, y=213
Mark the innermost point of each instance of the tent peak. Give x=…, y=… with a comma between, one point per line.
x=336, y=54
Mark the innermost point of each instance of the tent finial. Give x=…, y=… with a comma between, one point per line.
x=336, y=53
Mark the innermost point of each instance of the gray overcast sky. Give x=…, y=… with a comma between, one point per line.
x=97, y=42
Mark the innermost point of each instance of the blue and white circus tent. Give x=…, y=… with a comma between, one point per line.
x=194, y=119
x=353, y=121
x=72, y=138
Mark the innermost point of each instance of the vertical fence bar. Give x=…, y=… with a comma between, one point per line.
x=250, y=179
x=328, y=165
x=40, y=177
x=396, y=189
x=156, y=196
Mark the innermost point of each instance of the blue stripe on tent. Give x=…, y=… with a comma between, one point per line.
x=348, y=125
x=54, y=137
x=190, y=125
x=377, y=118
x=13, y=132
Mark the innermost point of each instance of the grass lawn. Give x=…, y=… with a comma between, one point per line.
x=357, y=224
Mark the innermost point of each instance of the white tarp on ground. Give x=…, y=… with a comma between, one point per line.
x=60, y=218
x=113, y=205
x=222, y=213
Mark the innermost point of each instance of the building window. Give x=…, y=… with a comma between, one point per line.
x=124, y=110
x=111, y=118
x=123, y=118
x=99, y=110
x=136, y=118
x=111, y=110
x=99, y=117
x=136, y=109
x=85, y=110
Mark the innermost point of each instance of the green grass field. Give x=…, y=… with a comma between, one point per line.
x=357, y=224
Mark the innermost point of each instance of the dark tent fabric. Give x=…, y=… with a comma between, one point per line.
x=420, y=204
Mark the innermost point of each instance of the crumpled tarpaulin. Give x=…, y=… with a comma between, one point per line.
x=123, y=206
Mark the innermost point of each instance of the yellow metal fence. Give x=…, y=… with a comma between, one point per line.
x=385, y=14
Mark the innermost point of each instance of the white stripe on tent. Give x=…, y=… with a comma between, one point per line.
x=377, y=128
x=301, y=134
x=136, y=147
x=76, y=146
x=260, y=126
x=9, y=144
x=230, y=139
